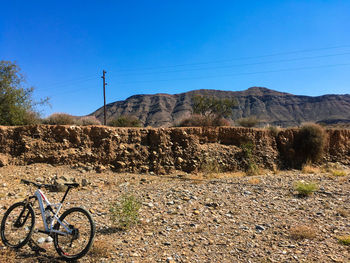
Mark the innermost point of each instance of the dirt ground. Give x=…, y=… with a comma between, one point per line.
x=199, y=218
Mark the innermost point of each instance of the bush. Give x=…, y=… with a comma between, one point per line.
x=251, y=167
x=89, y=120
x=210, y=167
x=31, y=117
x=309, y=143
x=125, y=121
x=248, y=122
x=304, y=188
x=344, y=240
x=338, y=173
x=274, y=130
x=125, y=211
x=60, y=119
x=197, y=120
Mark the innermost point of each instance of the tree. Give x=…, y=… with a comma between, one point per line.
x=209, y=111
x=17, y=106
x=213, y=107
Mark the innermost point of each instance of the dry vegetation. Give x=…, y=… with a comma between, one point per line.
x=301, y=232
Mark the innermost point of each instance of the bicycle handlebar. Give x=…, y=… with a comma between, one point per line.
x=23, y=181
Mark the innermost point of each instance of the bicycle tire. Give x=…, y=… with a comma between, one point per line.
x=7, y=222
x=72, y=219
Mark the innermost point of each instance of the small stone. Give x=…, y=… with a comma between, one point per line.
x=84, y=182
x=259, y=228
x=196, y=212
x=179, y=160
x=40, y=179
x=41, y=240
x=48, y=239
x=100, y=169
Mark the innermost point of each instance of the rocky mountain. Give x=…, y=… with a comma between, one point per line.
x=269, y=106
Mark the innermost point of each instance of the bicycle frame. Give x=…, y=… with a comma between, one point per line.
x=40, y=196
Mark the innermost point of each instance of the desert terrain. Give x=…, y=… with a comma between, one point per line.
x=225, y=217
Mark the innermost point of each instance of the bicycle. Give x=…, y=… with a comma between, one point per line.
x=73, y=232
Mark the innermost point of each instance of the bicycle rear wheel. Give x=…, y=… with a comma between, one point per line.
x=76, y=244
x=17, y=225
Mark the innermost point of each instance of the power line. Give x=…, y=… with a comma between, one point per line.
x=240, y=74
x=72, y=82
x=233, y=59
x=238, y=65
x=214, y=76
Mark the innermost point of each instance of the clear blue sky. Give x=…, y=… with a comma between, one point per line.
x=173, y=46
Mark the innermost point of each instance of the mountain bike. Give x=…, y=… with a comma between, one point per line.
x=73, y=232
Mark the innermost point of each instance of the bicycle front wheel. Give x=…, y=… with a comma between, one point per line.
x=77, y=232
x=17, y=225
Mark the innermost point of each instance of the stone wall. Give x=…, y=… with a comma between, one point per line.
x=155, y=150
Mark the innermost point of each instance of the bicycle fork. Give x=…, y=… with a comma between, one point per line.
x=18, y=223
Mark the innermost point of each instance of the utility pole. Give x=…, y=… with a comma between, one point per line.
x=104, y=95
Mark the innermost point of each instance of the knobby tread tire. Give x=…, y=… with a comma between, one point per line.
x=3, y=225
x=91, y=238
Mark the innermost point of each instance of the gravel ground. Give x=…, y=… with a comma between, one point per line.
x=196, y=218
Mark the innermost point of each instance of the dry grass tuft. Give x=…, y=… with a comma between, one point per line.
x=100, y=249
x=342, y=212
x=302, y=232
x=254, y=181
x=309, y=169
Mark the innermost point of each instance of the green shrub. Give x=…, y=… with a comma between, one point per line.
x=125, y=211
x=197, y=120
x=338, y=173
x=248, y=122
x=60, y=119
x=251, y=167
x=344, y=240
x=309, y=143
x=125, y=121
x=305, y=188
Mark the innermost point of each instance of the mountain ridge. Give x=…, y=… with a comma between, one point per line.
x=269, y=106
